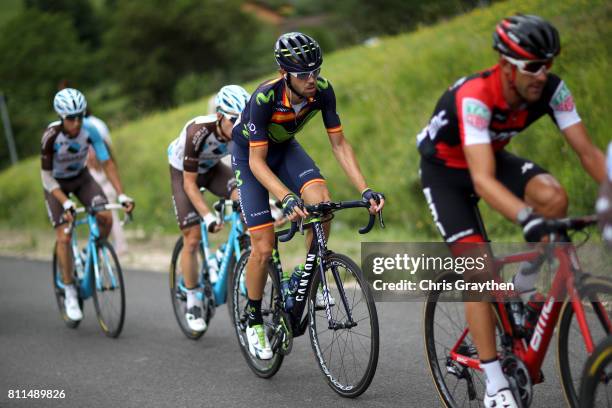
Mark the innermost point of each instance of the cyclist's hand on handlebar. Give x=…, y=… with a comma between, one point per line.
x=293, y=207
x=127, y=202
x=212, y=224
x=69, y=210
x=534, y=228
x=377, y=200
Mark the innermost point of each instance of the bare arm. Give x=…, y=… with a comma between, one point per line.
x=346, y=157
x=110, y=168
x=591, y=158
x=481, y=163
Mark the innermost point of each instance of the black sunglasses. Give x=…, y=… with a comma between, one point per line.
x=74, y=117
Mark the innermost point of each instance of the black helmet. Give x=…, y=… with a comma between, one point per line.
x=526, y=37
x=297, y=52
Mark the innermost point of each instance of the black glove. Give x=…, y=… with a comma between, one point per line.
x=534, y=228
x=368, y=194
x=290, y=202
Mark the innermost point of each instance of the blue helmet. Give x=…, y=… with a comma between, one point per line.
x=231, y=100
x=69, y=101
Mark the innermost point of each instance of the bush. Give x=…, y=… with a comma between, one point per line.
x=37, y=50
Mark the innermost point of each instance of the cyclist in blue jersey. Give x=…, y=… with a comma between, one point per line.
x=65, y=145
x=267, y=159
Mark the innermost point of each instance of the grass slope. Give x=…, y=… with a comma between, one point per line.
x=385, y=96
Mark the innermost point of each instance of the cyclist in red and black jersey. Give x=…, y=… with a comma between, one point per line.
x=267, y=158
x=463, y=159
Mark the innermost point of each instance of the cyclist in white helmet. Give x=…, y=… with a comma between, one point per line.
x=195, y=162
x=65, y=145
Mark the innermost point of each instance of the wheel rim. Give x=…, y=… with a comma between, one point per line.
x=345, y=355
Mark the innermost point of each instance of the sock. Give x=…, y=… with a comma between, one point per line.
x=192, y=298
x=496, y=380
x=254, y=312
x=70, y=291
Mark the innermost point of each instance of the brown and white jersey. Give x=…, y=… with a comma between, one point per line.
x=197, y=148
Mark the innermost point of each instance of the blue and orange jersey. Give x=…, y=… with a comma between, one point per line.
x=269, y=116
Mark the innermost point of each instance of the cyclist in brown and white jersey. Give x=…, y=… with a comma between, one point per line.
x=64, y=150
x=195, y=161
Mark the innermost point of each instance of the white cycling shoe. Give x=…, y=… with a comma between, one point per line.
x=320, y=300
x=259, y=345
x=501, y=399
x=194, y=318
x=73, y=311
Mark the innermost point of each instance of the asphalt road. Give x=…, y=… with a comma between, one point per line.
x=153, y=365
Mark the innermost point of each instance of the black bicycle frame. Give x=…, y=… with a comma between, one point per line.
x=314, y=263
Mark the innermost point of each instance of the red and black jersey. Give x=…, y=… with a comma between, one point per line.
x=474, y=111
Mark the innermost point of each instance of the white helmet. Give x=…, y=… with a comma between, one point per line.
x=69, y=101
x=231, y=100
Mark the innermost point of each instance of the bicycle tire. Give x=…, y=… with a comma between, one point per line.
x=570, y=370
x=111, y=281
x=471, y=391
x=593, y=374
x=178, y=299
x=261, y=368
x=338, y=379
x=59, y=292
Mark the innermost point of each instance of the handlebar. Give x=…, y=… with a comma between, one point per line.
x=325, y=208
x=573, y=223
x=98, y=208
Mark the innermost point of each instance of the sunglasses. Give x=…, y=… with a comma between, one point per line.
x=74, y=117
x=306, y=75
x=531, y=67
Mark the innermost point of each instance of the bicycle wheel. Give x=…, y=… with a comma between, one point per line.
x=109, y=291
x=348, y=357
x=178, y=296
x=443, y=324
x=56, y=277
x=596, y=387
x=270, y=312
x=571, y=350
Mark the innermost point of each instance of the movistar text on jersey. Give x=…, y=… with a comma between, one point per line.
x=422, y=262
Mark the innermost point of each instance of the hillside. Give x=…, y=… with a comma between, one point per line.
x=385, y=96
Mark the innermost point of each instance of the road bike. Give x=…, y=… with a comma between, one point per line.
x=215, y=267
x=344, y=334
x=578, y=300
x=596, y=389
x=96, y=273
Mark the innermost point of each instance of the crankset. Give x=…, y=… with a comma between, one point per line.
x=519, y=379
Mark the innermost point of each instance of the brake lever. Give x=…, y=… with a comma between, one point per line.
x=380, y=219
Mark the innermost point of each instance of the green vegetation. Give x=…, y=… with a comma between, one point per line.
x=385, y=96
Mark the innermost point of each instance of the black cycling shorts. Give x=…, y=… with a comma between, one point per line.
x=291, y=164
x=452, y=200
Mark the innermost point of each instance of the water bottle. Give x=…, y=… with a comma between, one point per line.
x=532, y=313
x=296, y=276
x=79, y=262
x=213, y=268
x=517, y=316
x=286, y=293
x=291, y=285
x=220, y=254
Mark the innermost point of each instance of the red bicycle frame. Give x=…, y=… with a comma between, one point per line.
x=533, y=354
